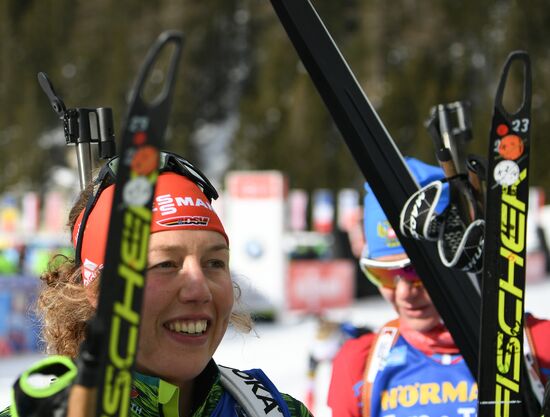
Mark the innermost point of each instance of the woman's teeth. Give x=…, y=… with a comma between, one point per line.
x=190, y=327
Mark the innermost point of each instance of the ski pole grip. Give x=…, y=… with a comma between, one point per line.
x=478, y=191
x=477, y=187
x=459, y=193
x=36, y=393
x=446, y=162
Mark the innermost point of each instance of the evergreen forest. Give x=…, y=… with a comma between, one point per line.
x=243, y=100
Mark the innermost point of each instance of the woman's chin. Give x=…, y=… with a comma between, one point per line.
x=175, y=369
x=420, y=324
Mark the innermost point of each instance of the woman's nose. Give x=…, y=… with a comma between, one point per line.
x=409, y=288
x=193, y=283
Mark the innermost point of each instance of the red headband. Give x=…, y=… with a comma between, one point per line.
x=179, y=204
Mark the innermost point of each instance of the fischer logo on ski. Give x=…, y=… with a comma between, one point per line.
x=123, y=279
x=503, y=386
x=137, y=192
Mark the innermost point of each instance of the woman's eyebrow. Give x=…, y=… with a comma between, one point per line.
x=221, y=246
x=176, y=248
x=163, y=248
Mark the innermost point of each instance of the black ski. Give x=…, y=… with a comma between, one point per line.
x=546, y=401
x=108, y=353
x=504, y=386
x=453, y=292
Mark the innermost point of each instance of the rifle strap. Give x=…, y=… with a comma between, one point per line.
x=254, y=392
x=384, y=341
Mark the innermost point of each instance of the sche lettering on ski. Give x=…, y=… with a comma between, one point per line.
x=123, y=333
x=512, y=238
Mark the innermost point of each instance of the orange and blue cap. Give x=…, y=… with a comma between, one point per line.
x=179, y=204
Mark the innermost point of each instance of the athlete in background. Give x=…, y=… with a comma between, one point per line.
x=412, y=366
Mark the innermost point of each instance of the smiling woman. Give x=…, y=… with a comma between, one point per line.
x=187, y=306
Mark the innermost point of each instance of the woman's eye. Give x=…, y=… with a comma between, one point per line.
x=163, y=265
x=217, y=263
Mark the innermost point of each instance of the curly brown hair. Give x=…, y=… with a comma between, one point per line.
x=64, y=305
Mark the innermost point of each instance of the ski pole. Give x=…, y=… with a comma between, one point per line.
x=455, y=128
x=476, y=177
x=445, y=137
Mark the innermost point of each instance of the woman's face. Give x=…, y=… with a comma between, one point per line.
x=411, y=301
x=187, y=304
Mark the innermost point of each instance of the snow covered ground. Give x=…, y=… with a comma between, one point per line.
x=282, y=349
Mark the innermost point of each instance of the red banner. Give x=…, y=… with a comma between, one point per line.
x=315, y=285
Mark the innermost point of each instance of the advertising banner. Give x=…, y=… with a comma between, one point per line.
x=254, y=215
x=315, y=285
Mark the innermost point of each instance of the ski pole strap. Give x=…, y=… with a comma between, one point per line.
x=43, y=389
x=418, y=218
x=460, y=246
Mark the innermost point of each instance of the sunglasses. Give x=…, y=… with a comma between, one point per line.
x=168, y=162
x=387, y=274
